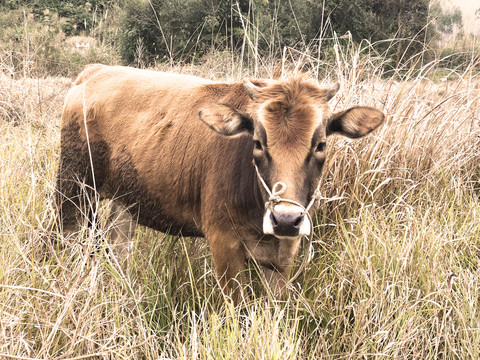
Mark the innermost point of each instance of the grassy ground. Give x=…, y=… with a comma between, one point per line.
x=395, y=272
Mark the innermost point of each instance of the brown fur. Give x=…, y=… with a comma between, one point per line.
x=152, y=154
x=289, y=112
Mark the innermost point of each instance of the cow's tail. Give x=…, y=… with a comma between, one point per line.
x=87, y=73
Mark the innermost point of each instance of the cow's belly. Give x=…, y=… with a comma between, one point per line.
x=158, y=210
x=168, y=225
x=150, y=214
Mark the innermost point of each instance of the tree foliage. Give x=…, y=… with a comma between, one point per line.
x=169, y=29
x=180, y=30
x=152, y=31
x=447, y=20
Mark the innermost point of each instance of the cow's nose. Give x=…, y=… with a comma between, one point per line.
x=286, y=221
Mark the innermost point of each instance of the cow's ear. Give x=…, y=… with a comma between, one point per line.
x=355, y=122
x=226, y=120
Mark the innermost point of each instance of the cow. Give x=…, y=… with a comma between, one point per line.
x=234, y=162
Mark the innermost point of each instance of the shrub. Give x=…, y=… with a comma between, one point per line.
x=39, y=47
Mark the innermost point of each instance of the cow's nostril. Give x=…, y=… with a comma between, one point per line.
x=286, y=221
x=274, y=220
x=298, y=222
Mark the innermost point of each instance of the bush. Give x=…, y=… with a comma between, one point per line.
x=159, y=31
x=39, y=47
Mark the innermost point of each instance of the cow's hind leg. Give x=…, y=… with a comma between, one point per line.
x=76, y=196
x=77, y=205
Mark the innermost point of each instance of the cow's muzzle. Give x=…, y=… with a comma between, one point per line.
x=286, y=221
x=292, y=220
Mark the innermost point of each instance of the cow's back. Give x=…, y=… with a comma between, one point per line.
x=121, y=103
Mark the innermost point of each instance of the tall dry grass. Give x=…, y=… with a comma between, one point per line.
x=396, y=252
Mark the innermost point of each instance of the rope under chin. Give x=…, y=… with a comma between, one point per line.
x=274, y=198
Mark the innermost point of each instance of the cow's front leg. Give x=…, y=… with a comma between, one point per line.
x=277, y=275
x=275, y=256
x=229, y=260
x=277, y=281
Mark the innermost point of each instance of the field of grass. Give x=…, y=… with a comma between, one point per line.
x=395, y=271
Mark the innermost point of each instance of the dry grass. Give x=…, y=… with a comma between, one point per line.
x=396, y=266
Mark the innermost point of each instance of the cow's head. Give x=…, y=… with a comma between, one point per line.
x=289, y=122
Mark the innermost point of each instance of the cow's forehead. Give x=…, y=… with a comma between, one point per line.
x=291, y=111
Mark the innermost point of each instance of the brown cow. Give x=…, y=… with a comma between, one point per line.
x=151, y=153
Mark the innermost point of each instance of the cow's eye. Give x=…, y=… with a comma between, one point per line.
x=320, y=147
x=257, y=145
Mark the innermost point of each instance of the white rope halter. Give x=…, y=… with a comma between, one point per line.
x=274, y=198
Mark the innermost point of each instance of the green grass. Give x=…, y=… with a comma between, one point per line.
x=396, y=252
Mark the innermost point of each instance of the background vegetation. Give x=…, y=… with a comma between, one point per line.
x=395, y=269
x=38, y=37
